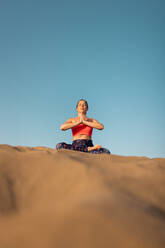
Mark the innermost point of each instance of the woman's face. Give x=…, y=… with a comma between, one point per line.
x=82, y=107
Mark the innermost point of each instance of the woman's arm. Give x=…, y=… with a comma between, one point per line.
x=94, y=123
x=69, y=124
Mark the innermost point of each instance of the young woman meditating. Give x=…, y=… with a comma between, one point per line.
x=82, y=128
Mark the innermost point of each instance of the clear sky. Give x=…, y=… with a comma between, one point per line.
x=109, y=52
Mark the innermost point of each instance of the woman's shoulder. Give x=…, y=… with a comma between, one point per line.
x=69, y=120
x=93, y=120
x=90, y=119
x=72, y=119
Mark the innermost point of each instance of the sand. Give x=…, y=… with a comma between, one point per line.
x=55, y=199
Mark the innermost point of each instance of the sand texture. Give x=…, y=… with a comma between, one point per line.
x=56, y=199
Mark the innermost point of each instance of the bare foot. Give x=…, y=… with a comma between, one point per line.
x=94, y=147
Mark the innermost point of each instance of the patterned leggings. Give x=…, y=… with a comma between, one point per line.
x=81, y=145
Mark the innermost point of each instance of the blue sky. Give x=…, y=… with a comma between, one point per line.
x=112, y=53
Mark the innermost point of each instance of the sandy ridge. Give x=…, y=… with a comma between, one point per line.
x=64, y=198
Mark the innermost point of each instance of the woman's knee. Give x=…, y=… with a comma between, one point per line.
x=60, y=145
x=101, y=150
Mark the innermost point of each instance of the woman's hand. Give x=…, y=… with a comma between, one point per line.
x=81, y=119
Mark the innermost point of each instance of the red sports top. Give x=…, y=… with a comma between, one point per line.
x=82, y=129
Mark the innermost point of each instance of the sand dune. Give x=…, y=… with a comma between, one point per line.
x=64, y=198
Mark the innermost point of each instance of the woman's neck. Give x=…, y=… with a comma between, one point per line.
x=82, y=114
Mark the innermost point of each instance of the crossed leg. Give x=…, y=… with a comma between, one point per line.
x=94, y=147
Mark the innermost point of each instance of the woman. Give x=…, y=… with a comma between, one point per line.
x=82, y=128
